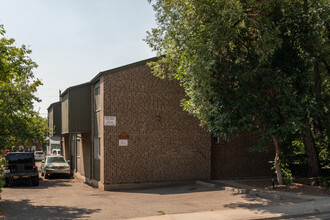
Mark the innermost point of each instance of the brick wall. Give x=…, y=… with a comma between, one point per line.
x=233, y=159
x=171, y=148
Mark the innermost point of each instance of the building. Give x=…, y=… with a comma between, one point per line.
x=76, y=127
x=53, y=143
x=126, y=126
x=55, y=127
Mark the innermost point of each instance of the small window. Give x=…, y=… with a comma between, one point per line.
x=97, y=151
x=97, y=99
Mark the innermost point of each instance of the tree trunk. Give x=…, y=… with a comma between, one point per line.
x=318, y=97
x=277, y=162
x=312, y=154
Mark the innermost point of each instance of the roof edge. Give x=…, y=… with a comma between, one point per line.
x=54, y=103
x=121, y=68
x=73, y=87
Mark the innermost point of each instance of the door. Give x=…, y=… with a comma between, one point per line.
x=78, y=155
x=72, y=157
x=97, y=158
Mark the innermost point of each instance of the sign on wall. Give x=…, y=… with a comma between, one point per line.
x=123, y=135
x=109, y=120
x=123, y=139
x=123, y=142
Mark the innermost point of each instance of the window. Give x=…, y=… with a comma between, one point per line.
x=97, y=124
x=97, y=151
x=55, y=160
x=97, y=100
x=20, y=158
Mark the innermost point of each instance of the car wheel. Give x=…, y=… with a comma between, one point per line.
x=35, y=180
x=46, y=175
x=42, y=173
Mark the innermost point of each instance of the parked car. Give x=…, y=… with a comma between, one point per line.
x=39, y=155
x=54, y=165
x=56, y=152
x=20, y=165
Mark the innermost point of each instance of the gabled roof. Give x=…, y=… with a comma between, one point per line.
x=73, y=87
x=55, y=103
x=110, y=71
x=121, y=68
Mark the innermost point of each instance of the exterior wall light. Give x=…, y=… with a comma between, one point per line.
x=158, y=117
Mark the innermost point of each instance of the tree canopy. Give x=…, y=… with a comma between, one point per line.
x=245, y=65
x=19, y=123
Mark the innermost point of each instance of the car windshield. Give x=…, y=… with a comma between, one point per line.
x=20, y=158
x=56, y=160
x=39, y=152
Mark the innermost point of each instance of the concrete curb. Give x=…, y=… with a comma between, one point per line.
x=275, y=194
x=206, y=184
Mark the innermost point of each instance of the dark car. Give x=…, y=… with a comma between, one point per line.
x=20, y=165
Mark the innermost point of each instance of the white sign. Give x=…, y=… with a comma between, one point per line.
x=109, y=120
x=123, y=142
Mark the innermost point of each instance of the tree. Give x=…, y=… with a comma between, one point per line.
x=239, y=64
x=19, y=123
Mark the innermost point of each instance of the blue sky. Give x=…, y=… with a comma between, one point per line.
x=73, y=40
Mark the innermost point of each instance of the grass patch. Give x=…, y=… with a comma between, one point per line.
x=161, y=212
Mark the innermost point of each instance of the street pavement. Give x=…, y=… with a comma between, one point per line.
x=61, y=198
x=315, y=209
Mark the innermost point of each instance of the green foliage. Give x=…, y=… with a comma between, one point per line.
x=2, y=178
x=286, y=172
x=246, y=65
x=324, y=140
x=287, y=176
x=324, y=181
x=19, y=123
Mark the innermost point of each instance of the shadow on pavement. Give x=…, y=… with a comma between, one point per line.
x=259, y=203
x=167, y=190
x=25, y=210
x=43, y=184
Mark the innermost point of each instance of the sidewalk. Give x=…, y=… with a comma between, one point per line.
x=315, y=205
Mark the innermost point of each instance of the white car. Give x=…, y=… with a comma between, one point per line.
x=56, y=152
x=55, y=165
x=39, y=155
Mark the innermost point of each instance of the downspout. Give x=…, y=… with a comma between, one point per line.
x=75, y=153
x=91, y=159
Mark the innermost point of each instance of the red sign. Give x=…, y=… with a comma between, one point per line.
x=123, y=135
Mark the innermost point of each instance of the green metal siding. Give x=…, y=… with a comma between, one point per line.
x=57, y=119
x=65, y=113
x=51, y=122
x=54, y=119
x=80, y=109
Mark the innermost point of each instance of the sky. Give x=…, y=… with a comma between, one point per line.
x=73, y=40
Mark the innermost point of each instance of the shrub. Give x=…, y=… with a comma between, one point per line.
x=324, y=181
x=287, y=176
x=2, y=178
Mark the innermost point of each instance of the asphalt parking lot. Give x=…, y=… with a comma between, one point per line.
x=62, y=198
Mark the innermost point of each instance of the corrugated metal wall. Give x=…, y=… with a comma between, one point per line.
x=65, y=113
x=57, y=119
x=51, y=121
x=80, y=109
